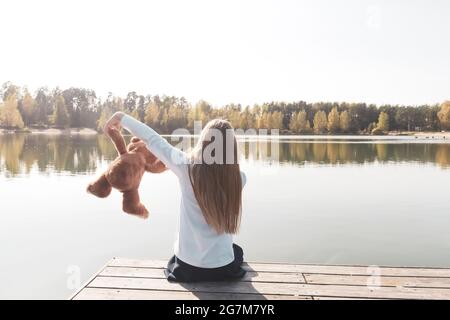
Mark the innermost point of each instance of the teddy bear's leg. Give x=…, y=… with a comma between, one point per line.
x=133, y=205
x=100, y=188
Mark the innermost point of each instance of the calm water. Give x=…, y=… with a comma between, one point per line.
x=355, y=201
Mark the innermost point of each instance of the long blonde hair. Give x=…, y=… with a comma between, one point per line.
x=216, y=177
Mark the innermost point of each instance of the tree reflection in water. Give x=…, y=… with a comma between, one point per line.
x=78, y=154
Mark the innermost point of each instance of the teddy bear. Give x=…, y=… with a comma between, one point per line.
x=126, y=171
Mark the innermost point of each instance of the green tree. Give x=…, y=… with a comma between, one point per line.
x=7, y=89
x=383, y=122
x=333, y=121
x=404, y=118
x=43, y=107
x=344, y=121
x=320, y=122
x=130, y=102
x=444, y=115
x=9, y=113
x=60, y=117
x=80, y=104
x=29, y=108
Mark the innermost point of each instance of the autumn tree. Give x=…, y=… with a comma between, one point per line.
x=299, y=123
x=246, y=120
x=201, y=112
x=383, y=122
x=108, y=108
x=231, y=112
x=165, y=113
x=320, y=122
x=262, y=121
x=104, y=117
x=344, y=121
x=293, y=123
x=152, y=115
x=9, y=113
x=333, y=121
x=444, y=115
x=275, y=120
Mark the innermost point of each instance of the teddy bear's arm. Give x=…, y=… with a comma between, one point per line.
x=156, y=167
x=118, y=140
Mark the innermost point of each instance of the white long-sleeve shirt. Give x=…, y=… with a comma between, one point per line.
x=197, y=243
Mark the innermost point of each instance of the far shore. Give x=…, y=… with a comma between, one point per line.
x=89, y=131
x=53, y=131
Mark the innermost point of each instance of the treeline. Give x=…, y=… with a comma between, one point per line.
x=79, y=107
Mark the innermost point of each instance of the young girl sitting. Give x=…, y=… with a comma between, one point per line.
x=211, y=195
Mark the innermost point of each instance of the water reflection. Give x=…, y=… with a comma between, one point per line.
x=22, y=153
x=361, y=153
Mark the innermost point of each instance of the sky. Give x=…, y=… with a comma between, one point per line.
x=245, y=51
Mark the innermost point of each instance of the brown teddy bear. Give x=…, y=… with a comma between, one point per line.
x=126, y=171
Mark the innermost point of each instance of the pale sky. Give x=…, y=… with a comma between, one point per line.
x=241, y=51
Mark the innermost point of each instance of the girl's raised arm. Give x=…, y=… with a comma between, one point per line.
x=172, y=157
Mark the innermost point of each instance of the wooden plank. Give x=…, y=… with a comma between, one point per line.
x=273, y=289
x=305, y=268
x=157, y=273
x=223, y=287
x=144, y=279
x=383, y=281
x=365, y=292
x=125, y=294
x=383, y=271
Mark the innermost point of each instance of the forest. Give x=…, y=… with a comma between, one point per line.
x=21, y=109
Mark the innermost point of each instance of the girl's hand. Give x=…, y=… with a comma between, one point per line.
x=113, y=122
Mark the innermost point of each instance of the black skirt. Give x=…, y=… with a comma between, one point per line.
x=179, y=271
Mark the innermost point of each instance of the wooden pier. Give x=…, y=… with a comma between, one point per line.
x=144, y=279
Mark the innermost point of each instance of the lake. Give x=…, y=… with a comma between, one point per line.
x=343, y=200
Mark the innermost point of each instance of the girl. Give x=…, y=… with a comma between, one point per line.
x=210, y=211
